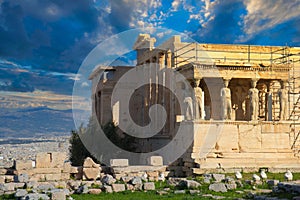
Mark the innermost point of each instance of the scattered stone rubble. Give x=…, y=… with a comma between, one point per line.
x=49, y=176
x=27, y=148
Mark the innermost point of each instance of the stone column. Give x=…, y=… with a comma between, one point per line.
x=254, y=99
x=161, y=59
x=283, y=100
x=169, y=59
x=226, y=101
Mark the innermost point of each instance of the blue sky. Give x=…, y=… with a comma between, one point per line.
x=43, y=43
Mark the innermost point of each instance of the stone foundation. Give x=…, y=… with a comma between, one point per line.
x=226, y=146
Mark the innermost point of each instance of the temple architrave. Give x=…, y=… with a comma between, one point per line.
x=245, y=97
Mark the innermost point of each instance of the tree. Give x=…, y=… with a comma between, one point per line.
x=77, y=150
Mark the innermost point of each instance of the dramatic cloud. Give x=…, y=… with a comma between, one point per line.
x=44, y=42
x=223, y=25
x=41, y=32
x=266, y=14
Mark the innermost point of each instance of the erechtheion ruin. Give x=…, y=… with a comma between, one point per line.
x=249, y=94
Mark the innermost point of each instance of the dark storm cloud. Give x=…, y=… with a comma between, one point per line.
x=39, y=32
x=14, y=40
x=224, y=28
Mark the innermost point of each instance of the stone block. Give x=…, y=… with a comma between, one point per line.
x=75, y=170
x=94, y=191
x=7, y=187
x=189, y=184
x=65, y=176
x=228, y=139
x=149, y=186
x=60, y=184
x=20, y=193
x=47, y=170
x=58, y=195
x=32, y=184
x=43, y=160
x=19, y=185
x=45, y=187
x=107, y=189
x=155, y=160
x=57, y=159
x=91, y=173
x=66, y=167
x=119, y=162
x=152, y=174
x=2, y=179
x=89, y=163
x=108, y=180
x=35, y=196
x=118, y=187
x=53, y=177
x=218, y=177
x=249, y=137
x=129, y=187
x=231, y=186
x=275, y=128
x=276, y=141
x=38, y=177
x=218, y=187
x=179, y=192
x=126, y=179
x=138, y=169
x=23, y=164
x=136, y=181
x=23, y=178
x=119, y=176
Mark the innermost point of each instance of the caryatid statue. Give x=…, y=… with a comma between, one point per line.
x=253, y=97
x=188, y=103
x=283, y=101
x=198, y=100
x=226, y=101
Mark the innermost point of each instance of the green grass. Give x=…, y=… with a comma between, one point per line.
x=137, y=196
x=152, y=195
x=6, y=196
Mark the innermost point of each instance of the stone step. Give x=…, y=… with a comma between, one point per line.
x=254, y=160
x=277, y=155
x=239, y=163
x=262, y=150
x=294, y=167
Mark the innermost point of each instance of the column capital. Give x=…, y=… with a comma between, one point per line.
x=284, y=84
x=254, y=82
x=226, y=81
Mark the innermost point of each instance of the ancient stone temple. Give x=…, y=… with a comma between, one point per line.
x=244, y=105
